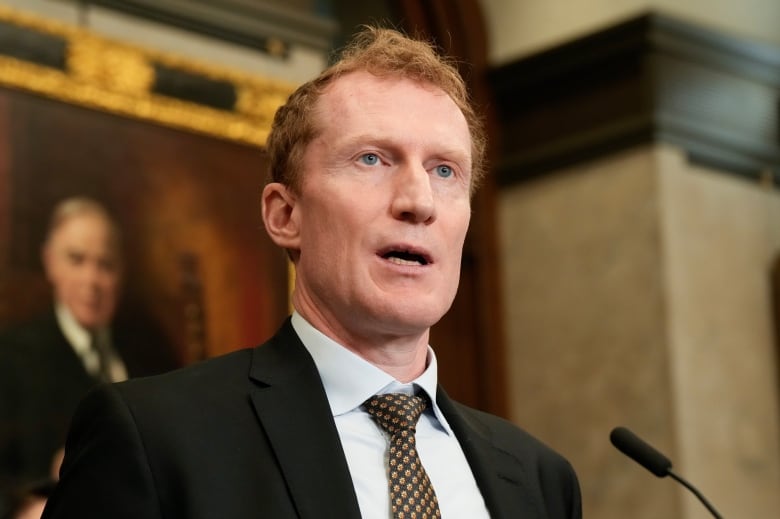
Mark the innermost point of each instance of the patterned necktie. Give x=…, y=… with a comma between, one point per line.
x=411, y=493
x=102, y=351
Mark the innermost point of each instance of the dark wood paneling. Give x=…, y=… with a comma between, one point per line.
x=470, y=339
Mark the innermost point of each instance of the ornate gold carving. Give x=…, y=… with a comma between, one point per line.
x=107, y=75
x=259, y=104
x=275, y=47
x=116, y=68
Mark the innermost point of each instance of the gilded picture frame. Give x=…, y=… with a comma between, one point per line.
x=173, y=147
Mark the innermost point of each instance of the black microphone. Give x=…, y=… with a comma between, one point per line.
x=643, y=453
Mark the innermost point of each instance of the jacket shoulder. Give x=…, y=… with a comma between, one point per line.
x=511, y=438
x=529, y=462
x=191, y=381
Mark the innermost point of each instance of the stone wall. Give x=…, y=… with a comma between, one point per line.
x=637, y=293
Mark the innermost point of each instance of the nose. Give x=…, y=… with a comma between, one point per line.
x=413, y=199
x=91, y=274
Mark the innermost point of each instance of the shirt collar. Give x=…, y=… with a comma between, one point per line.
x=77, y=335
x=346, y=393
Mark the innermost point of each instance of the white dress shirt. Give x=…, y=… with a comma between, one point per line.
x=79, y=339
x=349, y=380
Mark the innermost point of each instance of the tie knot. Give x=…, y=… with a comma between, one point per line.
x=396, y=412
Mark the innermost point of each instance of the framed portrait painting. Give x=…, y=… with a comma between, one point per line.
x=173, y=149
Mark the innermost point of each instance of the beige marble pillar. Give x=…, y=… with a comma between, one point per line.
x=637, y=293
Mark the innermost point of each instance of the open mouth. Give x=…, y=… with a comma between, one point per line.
x=406, y=257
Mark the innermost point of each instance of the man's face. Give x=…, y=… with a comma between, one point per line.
x=82, y=265
x=383, y=208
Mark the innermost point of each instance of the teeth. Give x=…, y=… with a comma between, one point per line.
x=400, y=261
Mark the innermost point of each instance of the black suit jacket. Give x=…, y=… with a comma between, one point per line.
x=250, y=434
x=42, y=381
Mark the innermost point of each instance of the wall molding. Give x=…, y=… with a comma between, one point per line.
x=77, y=66
x=263, y=26
x=650, y=79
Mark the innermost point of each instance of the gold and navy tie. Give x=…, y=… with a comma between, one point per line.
x=411, y=493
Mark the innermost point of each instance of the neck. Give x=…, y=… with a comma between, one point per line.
x=402, y=356
x=403, y=362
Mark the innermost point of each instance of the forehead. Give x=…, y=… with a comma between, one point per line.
x=84, y=231
x=363, y=98
x=365, y=91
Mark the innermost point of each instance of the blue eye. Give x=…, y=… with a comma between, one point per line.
x=444, y=171
x=370, y=159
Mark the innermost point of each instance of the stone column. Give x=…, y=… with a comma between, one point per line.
x=639, y=220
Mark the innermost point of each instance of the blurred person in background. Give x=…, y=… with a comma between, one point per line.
x=48, y=364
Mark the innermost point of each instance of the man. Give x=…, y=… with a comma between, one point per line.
x=48, y=365
x=373, y=164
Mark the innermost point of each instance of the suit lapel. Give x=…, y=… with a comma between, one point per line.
x=500, y=477
x=293, y=410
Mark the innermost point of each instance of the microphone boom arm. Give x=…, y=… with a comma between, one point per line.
x=695, y=492
x=643, y=453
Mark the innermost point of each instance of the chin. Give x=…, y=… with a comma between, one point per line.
x=90, y=321
x=406, y=313
x=411, y=322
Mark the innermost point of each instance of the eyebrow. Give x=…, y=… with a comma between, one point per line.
x=452, y=153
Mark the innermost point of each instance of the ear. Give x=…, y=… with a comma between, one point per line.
x=280, y=216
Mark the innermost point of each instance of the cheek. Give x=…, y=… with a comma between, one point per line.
x=319, y=249
x=111, y=286
x=330, y=227
x=66, y=282
x=57, y=273
x=457, y=238
x=459, y=229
